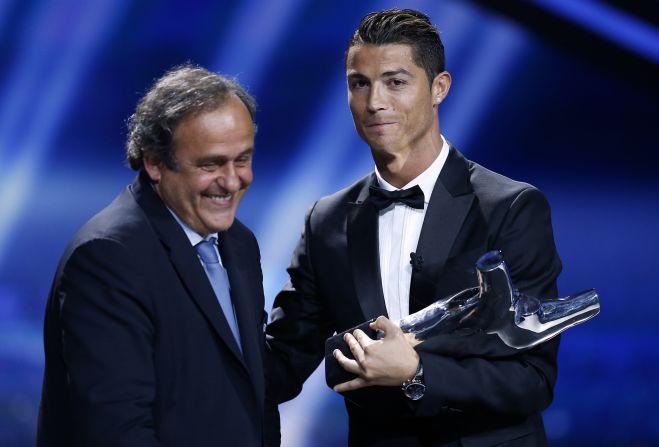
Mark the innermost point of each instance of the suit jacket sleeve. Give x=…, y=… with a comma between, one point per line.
x=107, y=336
x=478, y=372
x=300, y=324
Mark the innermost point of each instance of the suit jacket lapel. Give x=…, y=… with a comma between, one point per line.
x=449, y=204
x=244, y=287
x=185, y=260
x=363, y=253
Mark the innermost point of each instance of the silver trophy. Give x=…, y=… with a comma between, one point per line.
x=494, y=307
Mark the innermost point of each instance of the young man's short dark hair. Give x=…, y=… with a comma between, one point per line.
x=403, y=26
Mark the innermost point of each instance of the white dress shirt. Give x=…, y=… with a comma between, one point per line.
x=399, y=227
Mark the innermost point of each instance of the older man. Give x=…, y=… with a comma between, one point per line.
x=154, y=325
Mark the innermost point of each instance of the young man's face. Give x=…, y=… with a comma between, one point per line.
x=390, y=98
x=213, y=152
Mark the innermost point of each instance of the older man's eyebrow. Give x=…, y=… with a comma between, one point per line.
x=221, y=159
x=208, y=159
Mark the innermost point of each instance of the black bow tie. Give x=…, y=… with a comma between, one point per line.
x=412, y=197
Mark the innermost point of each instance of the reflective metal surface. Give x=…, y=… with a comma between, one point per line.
x=497, y=307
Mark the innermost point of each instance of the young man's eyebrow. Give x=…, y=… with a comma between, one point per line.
x=397, y=72
x=386, y=74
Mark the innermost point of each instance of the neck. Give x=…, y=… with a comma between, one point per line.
x=400, y=168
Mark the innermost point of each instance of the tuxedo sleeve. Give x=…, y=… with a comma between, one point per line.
x=478, y=373
x=107, y=337
x=299, y=326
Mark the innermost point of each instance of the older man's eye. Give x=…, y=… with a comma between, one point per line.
x=209, y=167
x=243, y=161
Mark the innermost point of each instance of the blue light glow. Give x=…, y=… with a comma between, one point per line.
x=71, y=72
x=40, y=89
x=612, y=24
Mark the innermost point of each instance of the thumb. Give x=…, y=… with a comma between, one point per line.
x=385, y=325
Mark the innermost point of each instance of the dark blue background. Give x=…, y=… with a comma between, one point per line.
x=558, y=93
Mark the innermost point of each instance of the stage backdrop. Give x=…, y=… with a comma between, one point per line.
x=559, y=93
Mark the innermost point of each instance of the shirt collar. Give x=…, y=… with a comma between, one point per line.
x=427, y=179
x=192, y=235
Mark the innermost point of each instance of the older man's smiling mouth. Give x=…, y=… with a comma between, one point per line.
x=219, y=199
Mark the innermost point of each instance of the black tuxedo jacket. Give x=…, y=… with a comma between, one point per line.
x=478, y=391
x=138, y=351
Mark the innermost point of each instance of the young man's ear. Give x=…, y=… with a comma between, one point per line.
x=440, y=87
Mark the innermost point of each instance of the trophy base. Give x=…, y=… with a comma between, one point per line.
x=334, y=373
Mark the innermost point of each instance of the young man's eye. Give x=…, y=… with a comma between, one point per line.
x=397, y=82
x=358, y=84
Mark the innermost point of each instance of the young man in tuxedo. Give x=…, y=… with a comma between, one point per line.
x=154, y=325
x=401, y=237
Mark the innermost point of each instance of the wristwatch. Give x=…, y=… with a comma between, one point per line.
x=415, y=388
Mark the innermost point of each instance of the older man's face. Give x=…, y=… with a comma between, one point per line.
x=213, y=152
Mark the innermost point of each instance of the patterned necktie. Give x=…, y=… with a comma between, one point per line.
x=381, y=198
x=220, y=282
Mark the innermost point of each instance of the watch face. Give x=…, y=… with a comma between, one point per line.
x=415, y=390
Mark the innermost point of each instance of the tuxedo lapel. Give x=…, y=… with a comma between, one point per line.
x=363, y=251
x=244, y=287
x=449, y=204
x=185, y=261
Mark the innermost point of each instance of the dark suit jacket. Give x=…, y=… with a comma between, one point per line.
x=479, y=391
x=138, y=352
